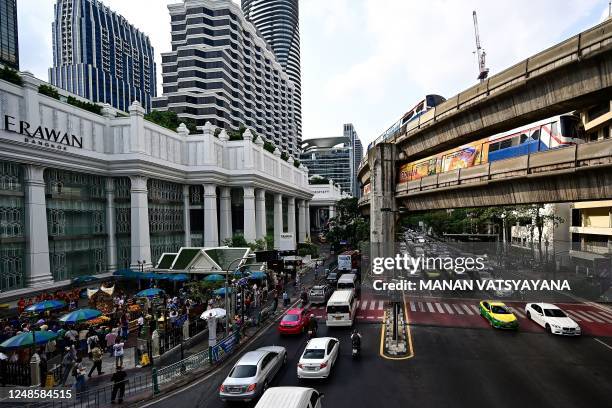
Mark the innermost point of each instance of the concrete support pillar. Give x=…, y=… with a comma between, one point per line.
x=278, y=219
x=250, y=229
x=308, y=226
x=186, y=216
x=225, y=204
x=211, y=231
x=291, y=216
x=38, y=269
x=382, y=160
x=111, y=226
x=140, y=238
x=332, y=211
x=260, y=213
x=301, y=221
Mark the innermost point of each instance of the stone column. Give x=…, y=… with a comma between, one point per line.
x=307, y=231
x=260, y=213
x=225, y=204
x=278, y=219
x=332, y=211
x=111, y=226
x=302, y=221
x=186, y=214
x=250, y=229
x=211, y=232
x=141, y=240
x=38, y=269
x=291, y=216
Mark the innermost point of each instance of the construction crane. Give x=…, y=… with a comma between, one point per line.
x=483, y=71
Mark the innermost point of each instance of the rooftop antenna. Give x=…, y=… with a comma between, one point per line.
x=483, y=71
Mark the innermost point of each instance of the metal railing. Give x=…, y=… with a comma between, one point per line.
x=198, y=360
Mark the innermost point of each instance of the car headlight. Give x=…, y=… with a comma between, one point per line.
x=555, y=326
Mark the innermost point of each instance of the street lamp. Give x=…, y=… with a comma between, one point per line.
x=229, y=267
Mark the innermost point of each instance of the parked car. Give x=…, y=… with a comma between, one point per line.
x=319, y=294
x=318, y=357
x=252, y=373
x=294, y=321
x=552, y=318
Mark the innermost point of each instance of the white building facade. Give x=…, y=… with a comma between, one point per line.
x=87, y=194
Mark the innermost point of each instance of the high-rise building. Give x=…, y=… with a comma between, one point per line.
x=99, y=55
x=357, y=153
x=220, y=70
x=278, y=22
x=9, y=47
x=335, y=158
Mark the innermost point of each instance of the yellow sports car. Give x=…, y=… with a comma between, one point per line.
x=498, y=315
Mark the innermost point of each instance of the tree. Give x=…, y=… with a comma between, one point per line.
x=348, y=224
x=170, y=120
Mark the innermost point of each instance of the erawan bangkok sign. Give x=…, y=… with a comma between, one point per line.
x=41, y=135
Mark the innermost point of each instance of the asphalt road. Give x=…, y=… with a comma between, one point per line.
x=455, y=367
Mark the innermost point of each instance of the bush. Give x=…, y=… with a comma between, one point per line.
x=269, y=146
x=318, y=180
x=237, y=241
x=88, y=106
x=10, y=75
x=284, y=156
x=217, y=132
x=49, y=91
x=305, y=249
x=296, y=163
x=170, y=120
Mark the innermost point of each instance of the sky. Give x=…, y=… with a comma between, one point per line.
x=367, y=62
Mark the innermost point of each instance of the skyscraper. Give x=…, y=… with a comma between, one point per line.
x=278, y=23
x=9, y=49
x=221, y=71
x=356, y=154
x=99, y=55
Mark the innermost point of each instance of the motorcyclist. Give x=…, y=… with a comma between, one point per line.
x=312, y=326
x=356, y=339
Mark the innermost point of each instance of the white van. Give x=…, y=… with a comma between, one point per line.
x=290, y=397
x=341, y=308
x=348, y=281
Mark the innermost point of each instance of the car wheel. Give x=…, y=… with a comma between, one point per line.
x=285, y=359
x=528, y=315
x=548, y=329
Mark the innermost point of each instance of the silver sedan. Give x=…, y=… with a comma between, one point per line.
x=252, y=374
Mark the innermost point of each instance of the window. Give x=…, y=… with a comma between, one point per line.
x=243, y=371
x=536, y=135
x=314, y=398
x=267, y=360
x=486, y=305
x=504, y=144
x=493, y=147
x=330, y=346
x=523, y=139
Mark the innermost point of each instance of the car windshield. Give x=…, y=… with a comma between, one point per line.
x=243, y=371
x=316, y=291
x=313, y=354
x=291, y=318
x=345, y=285
x=554, y=313
x=499, y=309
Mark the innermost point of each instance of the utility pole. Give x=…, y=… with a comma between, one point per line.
x=483, y=71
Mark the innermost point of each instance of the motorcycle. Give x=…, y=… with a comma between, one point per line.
x=356, y=346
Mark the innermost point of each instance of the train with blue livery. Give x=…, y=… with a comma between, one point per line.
x=427, y=103
x=552, y=133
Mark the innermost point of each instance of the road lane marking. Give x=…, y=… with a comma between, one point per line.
x=448, y=309
x=457, y=308
x=603, y=316
x=605, y=344
x=518, y=312
x=574, y=316
x=430, y=307
x=364, y=304
x=475, y=309
x=467, y=309
x=439, y=307
x=412, y=307
x=372, y=305
x=381, y=303
x=357, y=304
x=421, y=307
x=593, y=316
x=585, y=317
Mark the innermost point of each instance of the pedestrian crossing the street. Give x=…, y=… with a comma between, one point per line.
x=463, y=313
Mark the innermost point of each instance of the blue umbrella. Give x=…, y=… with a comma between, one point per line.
x=27, y=339
x=257, y=275
x=214, y=278
x=151, y=292
x=45, y=305
x=84, y=279
x=221, y=291
x=81, y=315
x=179, y=277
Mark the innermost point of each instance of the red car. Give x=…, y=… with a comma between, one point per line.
x=295, y=321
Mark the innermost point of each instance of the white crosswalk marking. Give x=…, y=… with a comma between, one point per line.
x=364, y=304
x=475, y=309
x=467, y=309
x=604, y=317
x=591, y=315
x=448, y=309
x=381, y=303
x=421, y=307
x=517, y=311
x=430, y=307
x=457, y=308
x=372, y=305
x=574, y=316
x=439, y=307
x=412, y=307
x=357, y=304
x=586, y=318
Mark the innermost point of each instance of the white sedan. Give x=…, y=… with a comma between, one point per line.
x=553, y=319
x=318, y=357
